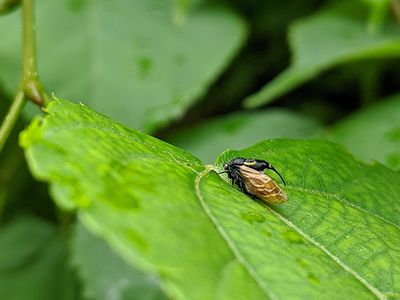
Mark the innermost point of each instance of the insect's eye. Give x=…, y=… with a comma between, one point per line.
x=226, y=166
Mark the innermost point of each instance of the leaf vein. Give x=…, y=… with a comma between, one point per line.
x=331, y=255
x=338, y=198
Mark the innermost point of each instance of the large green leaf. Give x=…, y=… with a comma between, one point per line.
x=206, y=140
x=168, y=214
x=337, y=34
x=143, y=62
x=346, y=209
x=373, y=132
x=33, y=262
x=105, y=275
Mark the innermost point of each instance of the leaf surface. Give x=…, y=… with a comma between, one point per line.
x=168, y=214
x=143, y=62
x=347, y=209
x=337, y=34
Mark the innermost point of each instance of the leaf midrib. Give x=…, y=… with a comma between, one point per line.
x=231, y=245
x=336, y=259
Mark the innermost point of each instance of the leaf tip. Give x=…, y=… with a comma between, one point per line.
x=248, y=102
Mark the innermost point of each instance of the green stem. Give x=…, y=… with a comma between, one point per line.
x=31, y=88
x=11, y=118
x=30, y=80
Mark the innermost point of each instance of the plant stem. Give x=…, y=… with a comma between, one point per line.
x=30, y=79
x=30, y=88
x=11, y=117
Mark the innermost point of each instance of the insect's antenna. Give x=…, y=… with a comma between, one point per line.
x=276, y=171
x=222, y=172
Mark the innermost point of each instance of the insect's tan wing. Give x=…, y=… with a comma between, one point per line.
x=262, y=186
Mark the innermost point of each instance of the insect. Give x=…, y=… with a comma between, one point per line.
x=248, y=175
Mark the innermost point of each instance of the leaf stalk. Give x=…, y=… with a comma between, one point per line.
x=11, y=117
x=30, y=88
x=31, y=85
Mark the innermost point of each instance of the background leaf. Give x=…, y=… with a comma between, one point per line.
x=165, y=212
x=209, y=138
x=142, y=62
x=33, y=262
x=373, y=133
x=336, y=35
x=105, y=275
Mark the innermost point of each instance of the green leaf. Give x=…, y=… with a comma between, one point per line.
x=373, y=133
x=33, y=262
x=165, y=212
x=239, y=130
x=335, y=35
x=106, y=275
x=143, y=62
x=346, y=209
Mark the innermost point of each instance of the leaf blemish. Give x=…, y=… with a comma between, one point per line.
x=252, y=217
x=313, y=279
x=293, y=237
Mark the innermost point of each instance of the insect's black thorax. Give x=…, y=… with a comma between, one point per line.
x=232, y=171
x=232, y=168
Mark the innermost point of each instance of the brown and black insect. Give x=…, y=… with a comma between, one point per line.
x=248, y=174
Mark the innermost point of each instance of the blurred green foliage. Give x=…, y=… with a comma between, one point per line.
x=187, y=72
x=141, y=62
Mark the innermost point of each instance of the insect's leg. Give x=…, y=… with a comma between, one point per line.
x=235, y=178
x=238, y=182
x=242, y=187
